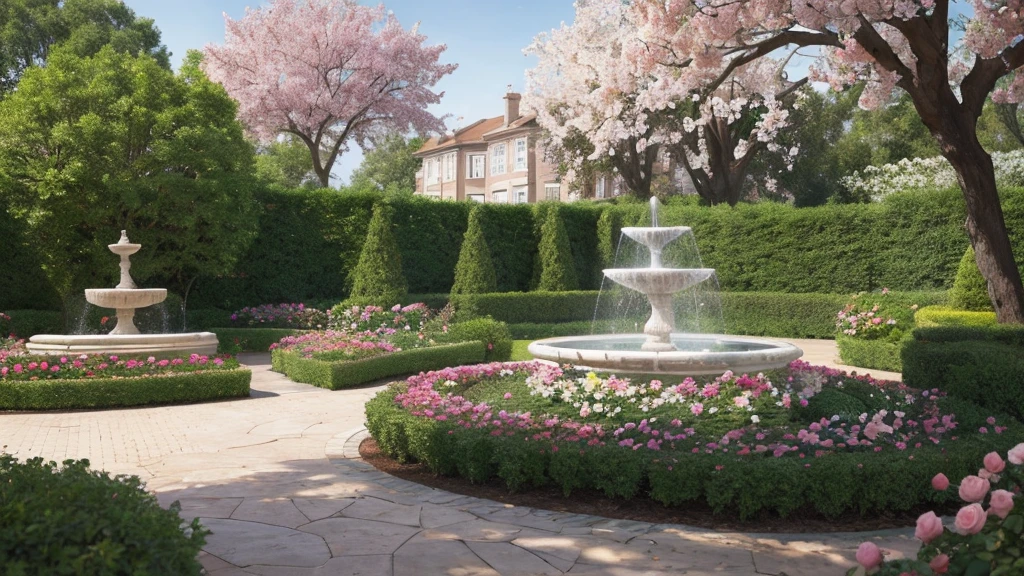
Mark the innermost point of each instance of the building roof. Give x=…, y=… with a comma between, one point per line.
x=516, y=124
x=472, y=134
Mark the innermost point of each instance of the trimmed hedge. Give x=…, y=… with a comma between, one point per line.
x=523, y=307
x=864, y=482
x=495, y=336
x=70, y=519
x=1008, y=334
x=235, y=340
x=932, y=316
x=474, y=273
x=338, y=375
x=987, y=373
x=970, y=290
x=28, y=323
x=119, y=392
x=377, y=277
x=871, y=354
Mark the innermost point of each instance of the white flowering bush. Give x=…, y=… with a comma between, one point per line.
x=928, y=173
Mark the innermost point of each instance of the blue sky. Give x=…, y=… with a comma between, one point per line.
x=485, y=37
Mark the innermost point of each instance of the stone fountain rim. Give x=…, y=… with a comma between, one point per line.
x=683, y=228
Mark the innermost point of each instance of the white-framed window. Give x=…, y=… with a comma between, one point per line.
x=519, y=194
x=520, y=157
x=599, y=189
x=475, y=165
x=499, y=196
x=498, y=153
x=552, y=192
x=433, y=170
x=477, y=198
x=450, y=161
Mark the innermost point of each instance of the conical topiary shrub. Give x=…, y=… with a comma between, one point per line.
x=377, y=278
x=970, y=290
x=474, y=273
x=558, y=271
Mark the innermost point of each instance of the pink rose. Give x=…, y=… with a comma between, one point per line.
x=929, y=527
x=970, y=519
x=1001, y=503
x=1016, y=455
x=993, y=463
x=868, y=555
x=973, y=489
x=940, y=482
x=939, y=564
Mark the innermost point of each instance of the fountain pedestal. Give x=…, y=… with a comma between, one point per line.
x=125, y=338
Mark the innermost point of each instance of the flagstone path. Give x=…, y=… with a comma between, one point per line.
x=278, y=480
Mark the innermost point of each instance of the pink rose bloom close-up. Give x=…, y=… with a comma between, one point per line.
x=868, y=555
x=973, y=489
x=1001, y=503
x=929, y=527
x=1016, y=455
x=994, y=463
x=970, y=519
x=940, y=482
x=939, y=564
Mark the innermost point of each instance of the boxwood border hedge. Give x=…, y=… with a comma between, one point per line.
x=864, y=482
x=233, y=340
x=346, y=374
x=181, y=388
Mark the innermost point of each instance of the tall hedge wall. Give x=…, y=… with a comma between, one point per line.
x=309, y=241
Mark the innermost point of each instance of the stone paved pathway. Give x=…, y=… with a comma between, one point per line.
x=278, y=480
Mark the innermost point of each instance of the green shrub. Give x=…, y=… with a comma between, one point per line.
x=1008, y=334
x=378, y=275
x=830, y=402
x=474, y=274
x=970, y=290
x=202, y=320
x=495, y=335
x=871, y=354
x=557, y=267
x=235, y=340
x=932, y=316
x=117, y=392
x=520, y=307
x=70, y=519
x=986, y=373
x=28, y=323
x=338, y=375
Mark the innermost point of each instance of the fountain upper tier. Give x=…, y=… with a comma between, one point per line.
x=659, y=280
x=121, y=298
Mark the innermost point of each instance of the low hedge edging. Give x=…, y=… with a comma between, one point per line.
x=234, y=340
x=866, y=482
x=121, y=392
x=871, y=354
x=932, y=316
x=338, y=375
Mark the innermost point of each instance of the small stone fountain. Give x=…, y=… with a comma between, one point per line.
x=125, y=338
x=659, y=350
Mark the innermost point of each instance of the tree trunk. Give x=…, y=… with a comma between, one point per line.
x=987, y=229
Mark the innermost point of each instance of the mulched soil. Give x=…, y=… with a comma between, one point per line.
x=639, y=509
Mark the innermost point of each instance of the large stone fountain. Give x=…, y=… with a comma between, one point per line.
x=660, y=350
x=125, y=338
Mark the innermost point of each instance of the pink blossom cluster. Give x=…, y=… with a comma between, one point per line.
x=292, y=315
x=866, y=320
x=997, y=481
x=353, y=346
x=19, y=367
x=375, y=319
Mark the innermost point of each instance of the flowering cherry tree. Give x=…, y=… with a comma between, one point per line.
x=888, y=44
x=327, y=71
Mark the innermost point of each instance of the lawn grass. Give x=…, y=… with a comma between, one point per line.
x=519, y=351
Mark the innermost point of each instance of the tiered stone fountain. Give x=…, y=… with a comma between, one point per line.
x=659, y=350
x=125, y=338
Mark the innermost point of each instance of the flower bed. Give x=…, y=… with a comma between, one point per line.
x=804, y=439
x=872, y=328
x=102, y=381
x=293, y=316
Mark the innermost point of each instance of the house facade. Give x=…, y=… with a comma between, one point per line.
x=495, y=160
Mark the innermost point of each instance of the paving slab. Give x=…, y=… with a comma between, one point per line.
x=356, y=537
x=246, y=543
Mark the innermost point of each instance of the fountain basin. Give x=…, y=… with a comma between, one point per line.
x=658, y=280
x=695, y=354
x=204, y=343
x=125, y=298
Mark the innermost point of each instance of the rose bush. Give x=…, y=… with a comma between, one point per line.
x=296, y=316
x=982, y=540
x=873, y=317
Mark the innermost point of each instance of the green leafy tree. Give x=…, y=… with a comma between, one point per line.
x=286, y=162
x=91, y=146
x=970, y=291
x=389, y=166
x=557, y=273
x=884, y=136
x=474, y=273
x=30, y=28
x=377, y=278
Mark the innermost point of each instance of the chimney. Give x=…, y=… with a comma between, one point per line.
x=512, y=107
